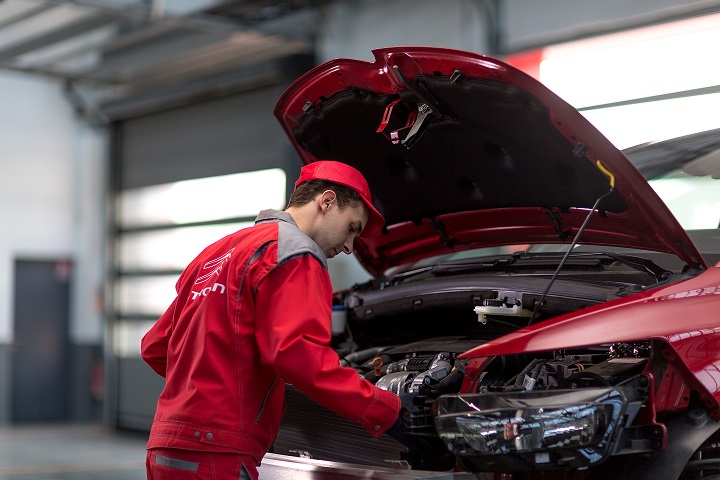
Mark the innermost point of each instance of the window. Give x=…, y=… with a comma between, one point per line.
x=161, y=228
x=640, y=85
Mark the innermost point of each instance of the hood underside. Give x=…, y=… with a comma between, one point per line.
x=463, y=151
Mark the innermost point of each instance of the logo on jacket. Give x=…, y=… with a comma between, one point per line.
x=215, y=266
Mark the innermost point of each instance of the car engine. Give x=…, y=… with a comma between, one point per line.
x=433, y=374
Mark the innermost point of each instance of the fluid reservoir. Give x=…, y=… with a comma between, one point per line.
x=498, y=307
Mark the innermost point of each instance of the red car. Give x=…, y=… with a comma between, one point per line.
x=546, y=310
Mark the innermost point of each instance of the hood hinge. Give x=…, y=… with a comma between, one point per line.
x=556, y=218
x=439, y=226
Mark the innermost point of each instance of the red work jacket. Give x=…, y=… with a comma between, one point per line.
x=252, y=312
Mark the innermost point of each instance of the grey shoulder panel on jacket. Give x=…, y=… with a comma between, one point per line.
x=292, y=242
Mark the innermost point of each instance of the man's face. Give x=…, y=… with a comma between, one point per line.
x=339, y=228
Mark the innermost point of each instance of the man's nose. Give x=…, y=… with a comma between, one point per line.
x=348, y=246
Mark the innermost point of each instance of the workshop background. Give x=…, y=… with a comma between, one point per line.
x=118, y=117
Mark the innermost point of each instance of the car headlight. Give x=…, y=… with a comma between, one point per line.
x=518, y=422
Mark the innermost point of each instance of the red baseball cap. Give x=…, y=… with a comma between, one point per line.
x=348, y=176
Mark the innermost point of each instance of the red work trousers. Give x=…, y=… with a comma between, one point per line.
x=173, y=464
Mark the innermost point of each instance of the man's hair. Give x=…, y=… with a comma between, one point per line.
x=307, y=191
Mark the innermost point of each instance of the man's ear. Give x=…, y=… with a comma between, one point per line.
x=327, y=197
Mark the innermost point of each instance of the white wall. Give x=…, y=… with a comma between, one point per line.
x=532, y=23
x=352, y=28
x=52, y=185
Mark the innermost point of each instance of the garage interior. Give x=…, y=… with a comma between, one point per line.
x=109, y=104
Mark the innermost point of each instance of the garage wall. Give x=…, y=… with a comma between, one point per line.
x=527, y=24
x=51, y=207
x=352, y=28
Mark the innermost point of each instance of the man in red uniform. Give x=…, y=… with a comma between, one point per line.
x=252, y=312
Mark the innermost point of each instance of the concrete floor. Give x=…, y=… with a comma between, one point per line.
x=93, y=452
x=71, y=452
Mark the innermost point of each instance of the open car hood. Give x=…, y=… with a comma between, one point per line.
x=464, y=151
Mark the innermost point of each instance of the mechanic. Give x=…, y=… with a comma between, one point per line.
x=252, y=312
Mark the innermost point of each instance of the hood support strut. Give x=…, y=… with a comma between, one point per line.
x=570, y=249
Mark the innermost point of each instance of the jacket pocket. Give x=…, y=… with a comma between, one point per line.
x=265, y=400
x=244, y=474
x=176, y=463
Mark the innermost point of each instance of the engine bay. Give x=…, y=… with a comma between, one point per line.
x=407, y=334
x=423, y=368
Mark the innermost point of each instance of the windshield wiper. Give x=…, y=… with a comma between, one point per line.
x=499, y=262
x=520, y=260
x=525, y=260
x=638, y=263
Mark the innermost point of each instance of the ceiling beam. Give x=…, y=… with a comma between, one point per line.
x=27, y=14
x=240, y=50
x=70, y=30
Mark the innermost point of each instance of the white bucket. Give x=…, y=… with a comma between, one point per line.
x=339, y=319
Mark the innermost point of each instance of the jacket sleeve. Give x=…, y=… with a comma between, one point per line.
x=154, y=345
x=293, y=331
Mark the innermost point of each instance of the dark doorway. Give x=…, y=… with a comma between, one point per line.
x=40, y=391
